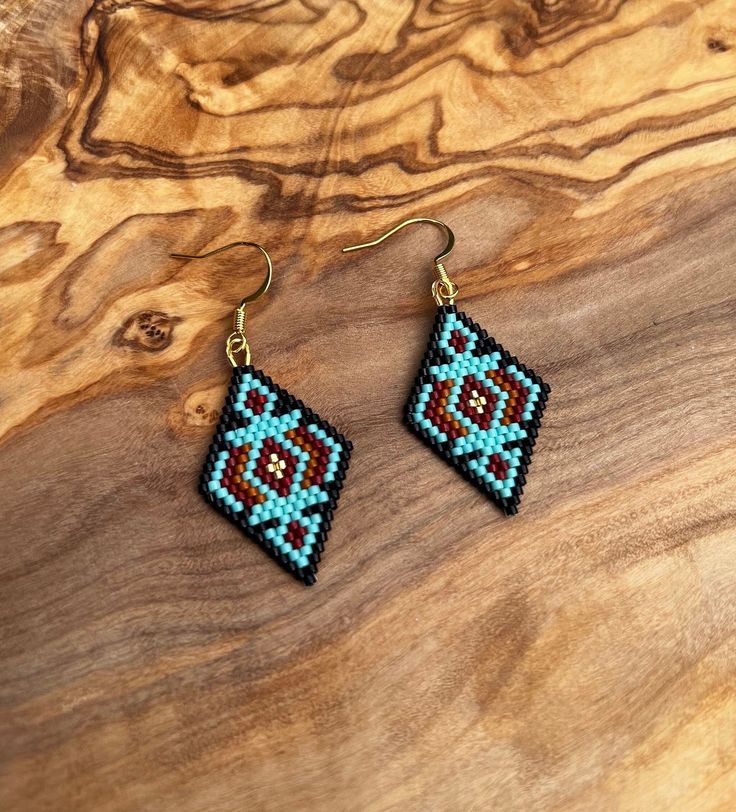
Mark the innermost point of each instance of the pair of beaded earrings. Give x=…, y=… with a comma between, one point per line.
x=275, y=468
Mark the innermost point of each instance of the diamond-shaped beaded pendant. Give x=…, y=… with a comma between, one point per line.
x=477, y=407
x=275, y=469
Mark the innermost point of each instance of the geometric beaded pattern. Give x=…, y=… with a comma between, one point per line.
x=477, y=407
x=275, y=469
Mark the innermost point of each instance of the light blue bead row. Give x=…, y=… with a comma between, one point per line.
x=301, y=555
x=445, y=335
x=280, y=509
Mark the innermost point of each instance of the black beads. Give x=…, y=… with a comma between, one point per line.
x=478, y=407
x=275, y=469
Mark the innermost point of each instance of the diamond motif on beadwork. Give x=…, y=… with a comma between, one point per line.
x=477, y=407
x=275, y=469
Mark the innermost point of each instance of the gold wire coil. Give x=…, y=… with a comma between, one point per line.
x=444, y=290
x=239, y=320
x=237, y=343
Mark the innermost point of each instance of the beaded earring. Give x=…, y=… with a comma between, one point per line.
x=473, y=403
x=274, y=468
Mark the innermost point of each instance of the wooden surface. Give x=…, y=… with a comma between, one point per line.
x=578, y=656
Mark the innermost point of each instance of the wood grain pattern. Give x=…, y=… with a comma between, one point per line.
x=578, y=656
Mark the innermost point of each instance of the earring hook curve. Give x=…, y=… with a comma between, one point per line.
x=265, y=285
x=444, y=289
x=448, y=231
x=237, y=343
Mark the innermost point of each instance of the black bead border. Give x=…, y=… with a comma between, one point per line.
x=229, y=420
x=433, y=356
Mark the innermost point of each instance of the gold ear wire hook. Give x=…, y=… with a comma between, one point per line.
x=269, y=273
x=444, y=289
x=237, y=343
